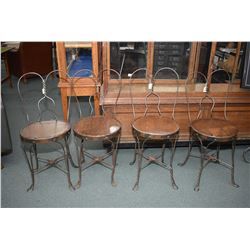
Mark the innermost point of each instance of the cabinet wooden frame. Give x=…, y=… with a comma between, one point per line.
x=85, y=85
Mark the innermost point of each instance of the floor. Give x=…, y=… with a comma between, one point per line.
x=155, y=189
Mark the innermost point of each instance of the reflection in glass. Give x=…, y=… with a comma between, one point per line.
x=224, y=59
x=78, y=58
x=174, y=55
x=126, y=57
x=203, y=59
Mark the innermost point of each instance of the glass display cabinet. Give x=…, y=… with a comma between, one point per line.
x=125, y=57
x=71, y=58
x=187, y=58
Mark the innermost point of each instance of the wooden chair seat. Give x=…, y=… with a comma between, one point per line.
x=214, y=128
x=44, y=131
x=155, y=127
x=97, y=127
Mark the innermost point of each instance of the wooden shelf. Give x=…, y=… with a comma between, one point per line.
x=78, y=44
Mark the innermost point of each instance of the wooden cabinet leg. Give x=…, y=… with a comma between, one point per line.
x=96, y=103
x=64, y=103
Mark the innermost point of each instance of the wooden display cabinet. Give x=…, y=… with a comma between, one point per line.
x=186, y=58
x=71, y=57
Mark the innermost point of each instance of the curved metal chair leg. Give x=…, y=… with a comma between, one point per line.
x=232, y=170
x=66, y=153
x=135, y=153
x=113, y=182
x=140, y=152
x=218, y=153
x=163, y=152
x=30, y=165
x=66, y=158
x=173, y=142
x=79, y=158
x=72, y=162
x=190, y=146
x=114, y=158
x=246, y=159
x=35, y=153
x=175, y=187
x=197, y=186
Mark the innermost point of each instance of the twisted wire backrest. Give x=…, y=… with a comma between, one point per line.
x=228, y=87
x=101, y=83
x=149, y=93
x=75, y=79
x=206, y=107
x=45, y=99
x=177, y=84
x=67, y=79
x=204, y=99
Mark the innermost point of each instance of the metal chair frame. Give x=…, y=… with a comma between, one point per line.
x=245, y=152
x=31, y=153
x=208, y=154
x=140, y=140
x=112, y=138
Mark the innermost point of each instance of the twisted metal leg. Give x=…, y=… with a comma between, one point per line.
x=79, y=158
x=218, y=152
x=163, y=152
x=72, y=162
x=114, y=158
x=190, y=146
x=246, y=159
x=140, y=155
x=203, y=152
x=36, y=158
x=67, y=156
x=135, y=154
x=30, y=165
x=173, y=143
x=232, y=169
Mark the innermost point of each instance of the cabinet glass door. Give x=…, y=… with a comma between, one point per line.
x=126, y=57
x=224, y=58
x=174, y=55
x=78, y=56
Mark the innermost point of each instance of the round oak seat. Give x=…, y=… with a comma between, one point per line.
x=155, y=127
x=97, y=127
x=215, y=128
x=44, y=131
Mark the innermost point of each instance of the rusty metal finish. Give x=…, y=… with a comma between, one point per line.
x=104, y=128
x=210, y=132
x=82, y=153
x=47, y=163
x=156, y=159
x=153, y=127
x=44, y=132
